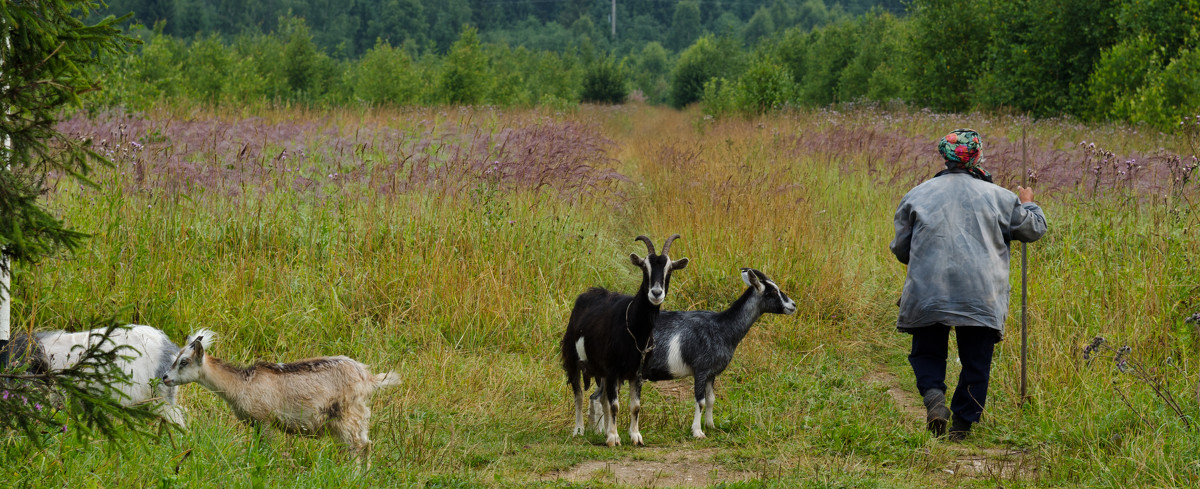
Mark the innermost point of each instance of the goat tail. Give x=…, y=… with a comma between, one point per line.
x=387, y=379
x=570, y=359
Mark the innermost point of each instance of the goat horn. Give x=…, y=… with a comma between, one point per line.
x=649, y=244
x=667, y=245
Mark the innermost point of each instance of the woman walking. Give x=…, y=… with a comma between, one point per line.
x=953, y=232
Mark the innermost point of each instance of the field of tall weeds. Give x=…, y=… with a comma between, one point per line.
x=449, y=245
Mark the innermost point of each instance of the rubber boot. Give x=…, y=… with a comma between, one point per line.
x=959, y=429
x=937, y=415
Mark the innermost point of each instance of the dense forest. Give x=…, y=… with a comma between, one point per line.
x=1125, y=60
x=347, y=29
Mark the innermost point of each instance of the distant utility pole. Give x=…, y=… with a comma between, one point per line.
x=614, y=19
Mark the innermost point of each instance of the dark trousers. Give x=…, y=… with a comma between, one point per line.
x=975, y=348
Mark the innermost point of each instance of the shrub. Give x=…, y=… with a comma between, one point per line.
x=549, y=77
x=604, y=82
x=650, y=73
x=464, y=79
x=1120, y=72
x=137, y=80
x=830, y=52
x=1169, y=95
x=207, y=68
x=508, y=86
x=299, y=58
x=764, y=87
x=718, y=97
x=385, y=75
x=708, y=58
x=265, y=55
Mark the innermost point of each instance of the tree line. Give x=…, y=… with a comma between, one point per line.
x=1124, y=60
x=349, y=28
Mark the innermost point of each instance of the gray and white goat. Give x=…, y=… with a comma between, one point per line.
x=608, y=337
x=324, y=395
x=148, y=355
x=700, y=344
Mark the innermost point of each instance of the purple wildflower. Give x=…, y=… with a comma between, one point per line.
x=1091, y=348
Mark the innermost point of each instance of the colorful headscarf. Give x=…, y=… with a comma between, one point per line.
x=963, y=150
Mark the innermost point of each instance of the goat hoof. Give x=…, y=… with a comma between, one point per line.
x=636, y=440
x=698, y=434
x=613, y=441
x=577, y=431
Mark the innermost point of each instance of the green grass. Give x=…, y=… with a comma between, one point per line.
x=465, y=288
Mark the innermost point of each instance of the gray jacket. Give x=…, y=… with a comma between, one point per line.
x=953, y=232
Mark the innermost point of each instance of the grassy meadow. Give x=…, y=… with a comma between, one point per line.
x=449, y=245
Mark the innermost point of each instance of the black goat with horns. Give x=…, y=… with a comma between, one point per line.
x=608, y=338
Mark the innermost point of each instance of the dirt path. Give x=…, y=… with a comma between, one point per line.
x=968, y=460
x=657, y=467
x=682, y=467
x=992, y=463
x=906, y=401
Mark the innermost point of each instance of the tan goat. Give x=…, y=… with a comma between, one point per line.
x=309, y=397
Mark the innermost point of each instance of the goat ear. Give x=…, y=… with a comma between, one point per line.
x=752, y=280
x=680, y=264
x=198, y=346
x=636, y=260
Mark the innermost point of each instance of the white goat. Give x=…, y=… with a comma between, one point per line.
x=309, y=397
x=149, y=354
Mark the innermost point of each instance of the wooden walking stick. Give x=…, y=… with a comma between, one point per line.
x=1024, y=281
